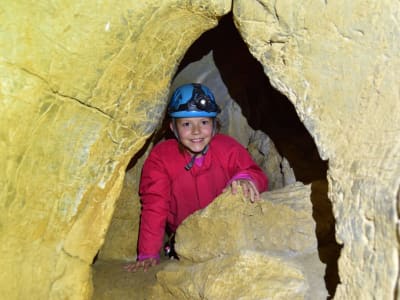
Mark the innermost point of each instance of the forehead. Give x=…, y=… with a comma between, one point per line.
x=196, y=119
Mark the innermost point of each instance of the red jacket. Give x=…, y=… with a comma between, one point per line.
x=169, y=193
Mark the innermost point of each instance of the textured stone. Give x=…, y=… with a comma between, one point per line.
x=338, y=63
x=121, y=239
x=265, y=154
x=81, y=90
x=84, y=84
x=279, y=226
x=228, y=225
x=248, y=275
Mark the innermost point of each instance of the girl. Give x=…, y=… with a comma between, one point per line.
x=183, y=175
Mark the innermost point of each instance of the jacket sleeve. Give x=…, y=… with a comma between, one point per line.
x=242, y=165
x=154, y=191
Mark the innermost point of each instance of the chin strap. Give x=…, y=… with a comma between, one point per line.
x=191, y=162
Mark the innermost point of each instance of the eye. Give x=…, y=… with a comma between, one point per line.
x=205, y=122
x=185, y=124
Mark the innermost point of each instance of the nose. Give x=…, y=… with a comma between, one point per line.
x=195, y=128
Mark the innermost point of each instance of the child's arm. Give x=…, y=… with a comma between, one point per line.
x=154, y=191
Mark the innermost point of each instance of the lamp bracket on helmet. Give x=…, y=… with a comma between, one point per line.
x=200, y=103
x=194, y=98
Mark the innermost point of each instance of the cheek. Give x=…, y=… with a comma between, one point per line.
x=183, y=132
x=208, y=129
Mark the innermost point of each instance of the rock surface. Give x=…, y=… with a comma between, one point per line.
x=81, y=91
x=279, y=228
x=84, y=84
x=338, y=63
x=234, y=249
x=242, y=276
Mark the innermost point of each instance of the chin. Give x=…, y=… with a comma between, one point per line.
x=196, y=150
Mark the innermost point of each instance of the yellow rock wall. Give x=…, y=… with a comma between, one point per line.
x=84, y=83
x=338, y=62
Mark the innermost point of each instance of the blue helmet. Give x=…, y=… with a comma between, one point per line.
x=193, y=100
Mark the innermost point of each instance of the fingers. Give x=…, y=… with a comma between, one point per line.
x=254, y=194
x=234, y=187
x=149, y=263
x=249, y=189
x=143, y=264
x=131, y=267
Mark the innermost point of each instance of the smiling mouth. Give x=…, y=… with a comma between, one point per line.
x=197, y=140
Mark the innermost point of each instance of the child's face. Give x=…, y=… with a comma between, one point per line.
x=194, y=133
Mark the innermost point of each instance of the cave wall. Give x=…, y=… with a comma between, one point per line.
x=338, y=63
x=84, y=84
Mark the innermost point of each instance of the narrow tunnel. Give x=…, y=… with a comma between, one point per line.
x=266, y=110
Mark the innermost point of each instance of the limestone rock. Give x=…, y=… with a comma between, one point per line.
x=281, y=222
x=248, y=275
x=276, y=167
x=310, y=52
x=81, y=89
x=280, y=225
x=121, y=239
x=83, y=84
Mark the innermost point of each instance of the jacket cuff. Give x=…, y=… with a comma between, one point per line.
x=146, y=256
x=239, y=176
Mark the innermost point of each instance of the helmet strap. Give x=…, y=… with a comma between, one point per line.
x=214, y=130
x=191, y=162
x=174, y=130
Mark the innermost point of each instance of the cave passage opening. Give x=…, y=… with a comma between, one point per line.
x=269, y=111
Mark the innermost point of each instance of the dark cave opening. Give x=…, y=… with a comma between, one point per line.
x=268, y=110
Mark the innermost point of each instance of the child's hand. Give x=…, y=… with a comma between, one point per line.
x=145, y=264
x=248, y=187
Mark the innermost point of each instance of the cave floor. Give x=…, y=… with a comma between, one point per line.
x=111, y=281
